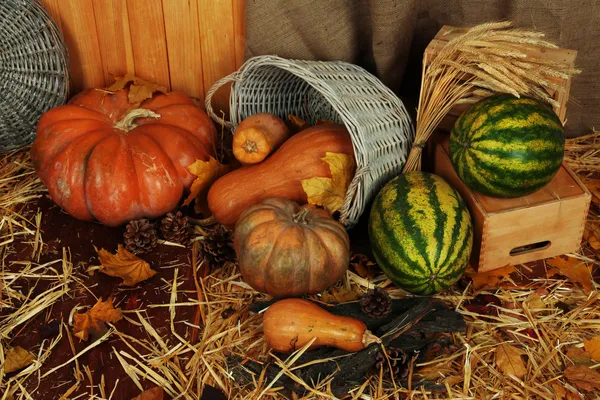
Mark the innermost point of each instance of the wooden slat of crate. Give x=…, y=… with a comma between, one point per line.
x=448, y=33
x=555, y=214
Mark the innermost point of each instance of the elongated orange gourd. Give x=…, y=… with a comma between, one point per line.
x=258, y=136
x=290, y=324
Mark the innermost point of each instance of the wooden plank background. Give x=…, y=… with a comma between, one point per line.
x=185, y=45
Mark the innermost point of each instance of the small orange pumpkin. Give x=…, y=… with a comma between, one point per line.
x=287, y=250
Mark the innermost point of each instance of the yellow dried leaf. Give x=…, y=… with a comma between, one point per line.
x=331, y=192
x=576, y=270
x=156, y=393
x=583, y=377
x=592, y=346
x=206, y=173
x=490, y=279
x=125, y=265
x=535, y=302
x=453, y=380
x=297, y=123
x=17, y=358
x=339, y=295
x=435, y=371
x=139, y=89
x=93, y=320
x=509, y=361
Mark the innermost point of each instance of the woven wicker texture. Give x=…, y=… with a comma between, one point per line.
x=380, y=127
x=34, y=73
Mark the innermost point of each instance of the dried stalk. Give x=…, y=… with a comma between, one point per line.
x=491, y=57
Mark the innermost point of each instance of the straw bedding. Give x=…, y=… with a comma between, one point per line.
x=180, y=326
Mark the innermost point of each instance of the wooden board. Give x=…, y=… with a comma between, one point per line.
x=448, y=33
x=184, y=44
x=544, y=224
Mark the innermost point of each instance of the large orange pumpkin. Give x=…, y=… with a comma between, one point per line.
x=102, y=159
x=287, y=250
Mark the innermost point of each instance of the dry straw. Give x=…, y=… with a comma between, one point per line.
x=486, y=59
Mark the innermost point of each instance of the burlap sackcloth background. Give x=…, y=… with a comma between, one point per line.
x=388, y=37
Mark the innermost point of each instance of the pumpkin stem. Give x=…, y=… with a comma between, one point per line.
x=368, y=338
x=250, y=146
x=127, y=122
x=300, y=216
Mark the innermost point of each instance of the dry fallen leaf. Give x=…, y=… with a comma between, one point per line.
x=579, y=356
x=453, y=380
x=92, y=321
x=560, y=393
x=297, y=123
x=362, y=265
x=583, y=377
x=535, y=302
x=331, y=192
x=339, y=295
x=206, y=173
x=17, y=358
x=490, y=279
x=509, y=361
x=592, y=346
x=125, y=265
x=434, y=371
x=139, y=89
x=593, y=186
x=591, y=234
x=576, y=270
x=156, y=393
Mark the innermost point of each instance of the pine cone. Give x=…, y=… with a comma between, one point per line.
x=376, y=303
x=398, y=360
x=140, y=236
x=175, y=228
x=217, y=247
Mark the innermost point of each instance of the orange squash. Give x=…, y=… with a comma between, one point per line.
x=258, y=136
x=280, y=175
x=100, y=159
x=286, y=250
x=290, y=324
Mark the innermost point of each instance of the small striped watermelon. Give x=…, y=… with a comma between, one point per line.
x=420, y=233
x=504, y=146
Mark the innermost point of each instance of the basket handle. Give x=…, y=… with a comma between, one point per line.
x=208, y=101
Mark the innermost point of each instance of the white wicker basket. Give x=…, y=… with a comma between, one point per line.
x=380, y=127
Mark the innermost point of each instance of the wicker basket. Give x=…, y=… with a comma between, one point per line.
x=379, y=125
x=33, y=70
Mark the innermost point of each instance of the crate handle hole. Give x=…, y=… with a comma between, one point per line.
x=529, y=248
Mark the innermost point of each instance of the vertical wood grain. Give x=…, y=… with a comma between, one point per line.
x=79, y=29
x=147, y=25
x=51, y=6
x=183, y=47
x=114, y=37
x=218, y=45
x=239, y=29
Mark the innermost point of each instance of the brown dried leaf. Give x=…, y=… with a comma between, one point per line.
x=17, y=358
x=331, y=192
x=297, y=123
x=453, y=380
x=93, y=320
x=576, y=270
x=591, y=234
x=592, y=346
x=339, y=295
x=139, y=89
x=434, y=371
x=535, y=302
x=206, y=173
x=156, y=393
x=593, y=186
x=579, y=356
x=362, y=265
x=490, y=279
x=583, y=377
x=125, y=265
x=509, y=361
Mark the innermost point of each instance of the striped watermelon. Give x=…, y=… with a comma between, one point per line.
x=420, y=233
x=504, y=146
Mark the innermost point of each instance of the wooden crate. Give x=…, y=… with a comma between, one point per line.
x=448, y=33
x=547, y=223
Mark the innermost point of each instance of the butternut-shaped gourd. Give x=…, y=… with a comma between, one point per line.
x=290, y=324
x=258, y=136
x=280, y=175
